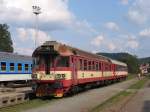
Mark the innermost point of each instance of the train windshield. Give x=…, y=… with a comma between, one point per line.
x=62, y=61
x=44, y=62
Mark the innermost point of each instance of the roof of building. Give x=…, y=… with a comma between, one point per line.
x=5, y=56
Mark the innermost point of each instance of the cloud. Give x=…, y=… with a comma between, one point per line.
x=112, y=26
x=103, y=41
x=132, y=42
x=124, y=2
x=22, y=34
x=55, y=13
x=97, y=41
x=145, y=33
x=29, y=34
x=112, y=46
x=136, y=17
x=139, y=12
x=118, y=44
x=25, y=51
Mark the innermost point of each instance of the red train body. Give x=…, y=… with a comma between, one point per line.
x=60, y=69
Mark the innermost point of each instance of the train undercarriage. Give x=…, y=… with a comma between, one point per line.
x=57, y=90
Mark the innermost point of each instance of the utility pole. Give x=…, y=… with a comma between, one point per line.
x=36, y=11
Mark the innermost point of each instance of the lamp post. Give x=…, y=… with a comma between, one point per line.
x=36, y=11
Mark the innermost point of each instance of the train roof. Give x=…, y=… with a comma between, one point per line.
x=5, y=56
x=118, y=62
x=68, y=50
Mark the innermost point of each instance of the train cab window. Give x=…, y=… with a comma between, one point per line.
x=85, y=64
x=26, y=67
x=62, y=61
x=12, y=67
x=19, y=67
x=3, y=66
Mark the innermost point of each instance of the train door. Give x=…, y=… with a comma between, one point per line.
x=74, y=70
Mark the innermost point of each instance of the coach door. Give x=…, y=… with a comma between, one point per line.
x=74, y=70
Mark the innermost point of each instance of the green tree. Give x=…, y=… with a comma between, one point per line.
x=6, y=44
x=132, y=62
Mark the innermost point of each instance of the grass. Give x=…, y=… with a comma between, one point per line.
x=27, y=105
x=131, y=76
x=139, y=84
x=110, y=101
x=119, y=96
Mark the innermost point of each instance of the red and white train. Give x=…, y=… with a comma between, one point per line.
x=60, y=69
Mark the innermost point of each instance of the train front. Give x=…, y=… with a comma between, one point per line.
x=51, y=69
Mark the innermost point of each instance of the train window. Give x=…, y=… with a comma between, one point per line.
x=89, y=65
x=93, y=65
x=12, y=67
x=19, y=67
x=100, y=68
x=31, y=66
x=106, y=68
x=97, y=66
x=85, y=64
x=63, y=61
x=121, y=68
x=3, y=66
x=26, y=67
x=81, y=64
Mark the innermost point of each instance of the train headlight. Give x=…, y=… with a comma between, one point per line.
x=60, y=76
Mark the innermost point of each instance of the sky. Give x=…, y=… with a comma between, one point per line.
x=93, y=25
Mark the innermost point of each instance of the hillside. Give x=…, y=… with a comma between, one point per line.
x=116, y=56
x=144, y=60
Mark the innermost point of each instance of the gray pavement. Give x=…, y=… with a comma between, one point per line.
x=85, y=101
x=140, y=102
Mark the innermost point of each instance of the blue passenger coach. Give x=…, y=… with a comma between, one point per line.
x=14, y=67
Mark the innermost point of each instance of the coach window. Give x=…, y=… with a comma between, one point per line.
x=19, y=67
x=100, y=68
x=89, y=65
x=12, y=68
x=85, y=64
x=81, y=64
x=105, y=67
x=97, y=66
x=26, y=67
x=93, y=65
x=31, y=66
x=3, y=66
